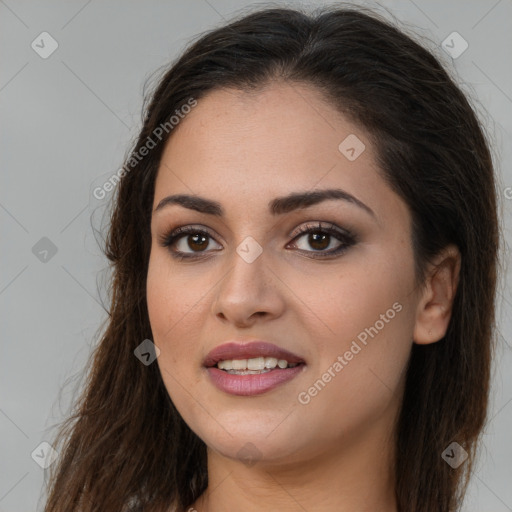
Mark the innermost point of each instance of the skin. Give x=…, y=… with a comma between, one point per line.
x=334, y=453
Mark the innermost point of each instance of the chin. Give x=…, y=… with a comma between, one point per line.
x=265, y=439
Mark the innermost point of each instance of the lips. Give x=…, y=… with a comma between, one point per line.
x=238, y=350
x=251, y=383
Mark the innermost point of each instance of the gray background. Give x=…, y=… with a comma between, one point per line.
x=67, y=122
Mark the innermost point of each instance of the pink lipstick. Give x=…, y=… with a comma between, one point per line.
x=247, y=369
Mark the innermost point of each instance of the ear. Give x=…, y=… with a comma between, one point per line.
x=435, y=304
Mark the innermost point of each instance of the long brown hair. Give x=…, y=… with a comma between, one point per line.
x=126, y=447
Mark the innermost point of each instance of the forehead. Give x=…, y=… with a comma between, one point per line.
x=280, y=131
x=280, y=121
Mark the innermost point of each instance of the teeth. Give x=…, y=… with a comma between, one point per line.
x=270, y=362
x=225, y=365
x=255, y=364
x=239, y=364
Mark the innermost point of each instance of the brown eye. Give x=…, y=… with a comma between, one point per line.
x=318, y=241
x=186, y=242
x=197, y=242
x=319, y=238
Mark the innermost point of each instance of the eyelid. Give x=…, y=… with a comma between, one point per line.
x=322, y=226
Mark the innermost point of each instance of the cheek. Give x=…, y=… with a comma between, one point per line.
x=359, y=295
x=358, y=379
x=168, y=304
x=176, y=304
x=171, y=295
x=363, y=353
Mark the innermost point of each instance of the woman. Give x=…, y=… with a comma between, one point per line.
x=304, y=245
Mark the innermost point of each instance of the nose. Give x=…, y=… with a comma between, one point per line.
x=248, y=292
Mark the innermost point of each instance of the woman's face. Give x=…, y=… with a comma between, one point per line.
x=342, y=301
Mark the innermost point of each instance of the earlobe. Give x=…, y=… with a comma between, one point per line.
x=436, y=302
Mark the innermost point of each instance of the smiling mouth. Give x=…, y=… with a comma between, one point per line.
x=250, y=369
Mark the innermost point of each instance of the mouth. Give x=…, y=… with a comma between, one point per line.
x=252, y=368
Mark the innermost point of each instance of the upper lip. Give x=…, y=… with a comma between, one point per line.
x=258, y=348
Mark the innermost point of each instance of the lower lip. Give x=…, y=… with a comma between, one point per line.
x=255, y=384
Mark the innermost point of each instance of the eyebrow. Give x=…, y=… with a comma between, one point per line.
x=277, y=206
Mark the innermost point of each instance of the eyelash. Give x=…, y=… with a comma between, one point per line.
x=345, y=236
